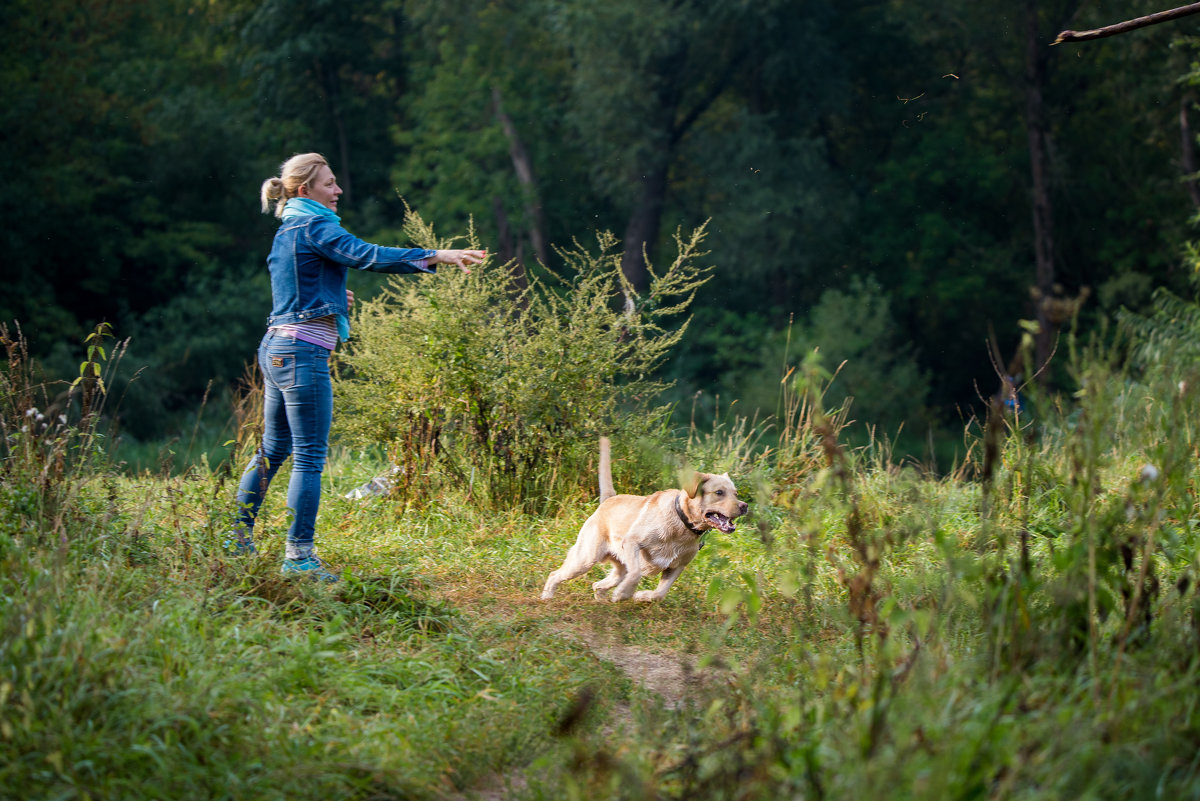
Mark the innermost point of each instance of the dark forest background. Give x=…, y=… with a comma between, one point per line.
x=897, y=183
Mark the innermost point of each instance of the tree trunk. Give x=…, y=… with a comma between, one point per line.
x=1188, y=149
x=504, y=243
x=1039, y=164
x=329, y=89
x=676, y=120
x=506, y=250
x=644, y=223
x=523, y=167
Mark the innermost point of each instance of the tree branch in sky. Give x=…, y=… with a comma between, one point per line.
x=1128, y=25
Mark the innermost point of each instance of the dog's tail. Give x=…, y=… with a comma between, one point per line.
x=606, y=485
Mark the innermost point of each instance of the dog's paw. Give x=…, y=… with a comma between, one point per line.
x=547, y=595
x=645, y=596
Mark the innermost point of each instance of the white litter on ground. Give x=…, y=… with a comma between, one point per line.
x=380, y=485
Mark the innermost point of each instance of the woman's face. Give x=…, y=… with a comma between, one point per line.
x=323, y=188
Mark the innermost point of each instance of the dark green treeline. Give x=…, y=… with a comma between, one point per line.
x=866, y=167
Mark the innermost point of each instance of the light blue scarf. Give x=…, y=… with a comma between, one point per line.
x=307, y=207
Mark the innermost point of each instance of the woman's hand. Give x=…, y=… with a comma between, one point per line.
x=460, y=257
x=349, y=298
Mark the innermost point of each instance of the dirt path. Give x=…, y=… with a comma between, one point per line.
x=674, y=677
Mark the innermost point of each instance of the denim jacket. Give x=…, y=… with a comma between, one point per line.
x=308, y=264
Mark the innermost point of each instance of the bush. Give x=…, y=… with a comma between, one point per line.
x=50, y=437
x=878, y=379
x=503, y=388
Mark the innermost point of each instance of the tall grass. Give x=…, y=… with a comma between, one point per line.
x=1029, y=633
x=1025, y=626
x=137, y=660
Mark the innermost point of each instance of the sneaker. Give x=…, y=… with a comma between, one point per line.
x=309, y=566
x=239, y=545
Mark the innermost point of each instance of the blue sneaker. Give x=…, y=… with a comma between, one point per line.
x=309, y=566
x=240, y=545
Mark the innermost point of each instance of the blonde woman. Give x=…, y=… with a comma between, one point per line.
x=309, y=262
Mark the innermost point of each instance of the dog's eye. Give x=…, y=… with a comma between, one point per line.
x=720, y=492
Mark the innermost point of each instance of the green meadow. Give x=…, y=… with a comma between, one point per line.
x=1021, y=625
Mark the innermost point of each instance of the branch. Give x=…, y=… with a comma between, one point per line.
x=1128, y=25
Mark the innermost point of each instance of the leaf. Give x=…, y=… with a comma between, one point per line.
x=789, y=583
x=731, y=598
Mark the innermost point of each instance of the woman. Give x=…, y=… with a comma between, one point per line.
x=308, y=263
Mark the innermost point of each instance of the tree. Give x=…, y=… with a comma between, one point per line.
x=118, y=128
x=1037, y=67
x=332, y=73
x=484, y=139
x=645, y=75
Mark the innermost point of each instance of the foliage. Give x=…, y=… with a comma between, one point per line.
x=1164, y=338
x=153, y=667
x=866, y=140
x=1022, y=628
x=505, y=389
x=51, y=432
x=853, y=330
x=924, y=637
x=136, y=661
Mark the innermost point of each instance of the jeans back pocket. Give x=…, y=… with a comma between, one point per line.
x=279, y=369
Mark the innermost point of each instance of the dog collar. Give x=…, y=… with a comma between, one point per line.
x=686, y=522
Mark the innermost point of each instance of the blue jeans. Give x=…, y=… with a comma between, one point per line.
x=297, y=412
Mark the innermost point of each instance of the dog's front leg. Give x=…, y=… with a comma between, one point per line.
x=664, y=583
x=611, y=580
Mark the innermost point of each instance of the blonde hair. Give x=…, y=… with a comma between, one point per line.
x=293, y=174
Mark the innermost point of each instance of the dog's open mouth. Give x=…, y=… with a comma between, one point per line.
x=720, y=521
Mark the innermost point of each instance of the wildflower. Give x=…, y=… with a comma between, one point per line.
x=1148, y=473
x=31, y=411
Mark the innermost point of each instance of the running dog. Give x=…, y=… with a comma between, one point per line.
x=640, y=535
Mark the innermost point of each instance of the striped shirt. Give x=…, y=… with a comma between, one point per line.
x=319, y=331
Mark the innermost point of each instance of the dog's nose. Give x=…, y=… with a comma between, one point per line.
x=742, y=507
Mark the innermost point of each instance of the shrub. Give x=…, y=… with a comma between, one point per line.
x=504, y=388
x=50, y=439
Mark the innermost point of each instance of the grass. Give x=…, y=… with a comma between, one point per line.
x=1025, y=628
x=198, y=676
x=149, y=664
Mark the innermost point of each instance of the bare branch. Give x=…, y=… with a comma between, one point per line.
x=1128, y=25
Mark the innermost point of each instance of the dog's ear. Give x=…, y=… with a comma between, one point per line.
x=693, y=484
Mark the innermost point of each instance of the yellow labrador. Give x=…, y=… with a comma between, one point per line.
x=640, y=535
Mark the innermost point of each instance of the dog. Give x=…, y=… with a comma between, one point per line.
x=640, y=535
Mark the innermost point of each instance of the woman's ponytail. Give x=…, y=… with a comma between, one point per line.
x=272, y=192
x=295, y=173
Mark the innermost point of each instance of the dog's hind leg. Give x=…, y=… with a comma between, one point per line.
x=634, y=570
x=582, y=557
x=568, y=571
